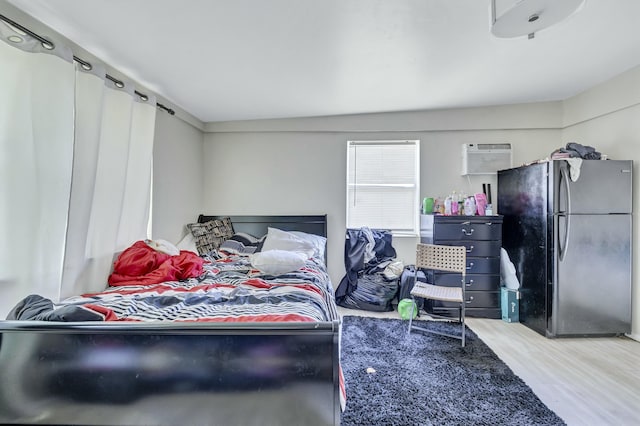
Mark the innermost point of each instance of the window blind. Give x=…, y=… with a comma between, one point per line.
x=382, y=185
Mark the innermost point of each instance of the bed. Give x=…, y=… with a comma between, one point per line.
x=217, y=371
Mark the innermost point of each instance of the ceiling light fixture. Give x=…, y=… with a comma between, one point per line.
x=15, y=39
x=516, y=18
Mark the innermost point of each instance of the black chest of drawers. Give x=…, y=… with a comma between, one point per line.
x=482, y=236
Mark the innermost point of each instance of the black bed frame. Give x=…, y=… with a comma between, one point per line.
x=258, y=225
x=174, y=373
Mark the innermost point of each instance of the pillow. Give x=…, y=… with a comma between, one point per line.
x=236, y=247
x=246, y=239
x=319, y=242
x=163, y=246
x=210, y=235
x=278, y=239
x=277, y=262
x=188, y=243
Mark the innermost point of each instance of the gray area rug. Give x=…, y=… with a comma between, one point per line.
x=428, y=379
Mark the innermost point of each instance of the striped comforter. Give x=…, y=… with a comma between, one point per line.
x=229, y=290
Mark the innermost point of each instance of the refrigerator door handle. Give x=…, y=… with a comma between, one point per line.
x=564, y=179
x=565, y=244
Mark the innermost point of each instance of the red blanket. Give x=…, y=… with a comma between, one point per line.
x=142, y=265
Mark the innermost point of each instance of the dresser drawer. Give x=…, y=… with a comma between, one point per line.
x=474, y=282
x=480, y=265
x=474, y=299
x=483, y=265
x=467, y=231
x=492, y=313
x=482, y=248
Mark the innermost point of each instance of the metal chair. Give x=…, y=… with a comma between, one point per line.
x=443, y=258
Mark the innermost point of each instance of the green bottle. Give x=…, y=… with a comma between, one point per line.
x=427, y=205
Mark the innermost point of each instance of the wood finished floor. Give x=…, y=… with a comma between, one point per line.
x=586, y=381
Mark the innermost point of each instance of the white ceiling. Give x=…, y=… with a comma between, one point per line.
x=251, y=59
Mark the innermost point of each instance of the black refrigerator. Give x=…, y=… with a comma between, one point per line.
x=567, y=230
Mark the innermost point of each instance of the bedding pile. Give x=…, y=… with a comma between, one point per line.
x=147, y=262
x=229, y=290
x=157, y=282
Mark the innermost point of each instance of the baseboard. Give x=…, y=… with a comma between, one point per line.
x=634, y=336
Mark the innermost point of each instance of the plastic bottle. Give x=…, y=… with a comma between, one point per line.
x=447, y=206
x=427, y=205
x=481, y=203
x=470, y=206
x=454, y=203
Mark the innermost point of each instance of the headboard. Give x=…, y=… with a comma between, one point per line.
x=257, y=225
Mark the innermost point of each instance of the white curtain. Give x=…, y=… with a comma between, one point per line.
x=110, y=197
x=36, y=149
x=75, y=172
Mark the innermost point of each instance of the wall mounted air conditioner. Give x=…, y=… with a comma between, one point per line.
x=485, y=158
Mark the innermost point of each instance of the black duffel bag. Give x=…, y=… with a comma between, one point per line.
x=407, y=280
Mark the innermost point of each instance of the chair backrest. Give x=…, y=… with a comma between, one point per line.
x=443, y=258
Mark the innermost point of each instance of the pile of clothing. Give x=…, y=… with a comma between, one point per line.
x=576, y=150
x=152, y=262
x=372, y=271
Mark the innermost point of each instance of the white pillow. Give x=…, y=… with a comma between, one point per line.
x=319, y=242
x=278, y=239
x=188, y=243
x=163, y=246
x=277, y=262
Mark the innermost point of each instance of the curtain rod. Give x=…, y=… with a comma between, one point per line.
x=49, y=45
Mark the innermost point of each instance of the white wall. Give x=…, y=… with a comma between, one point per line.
x=278, y=173
x=177, y=177
x=297, y=166
x=607, y=117
x=276, y=167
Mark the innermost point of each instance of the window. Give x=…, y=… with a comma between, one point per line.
x=382, y=185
